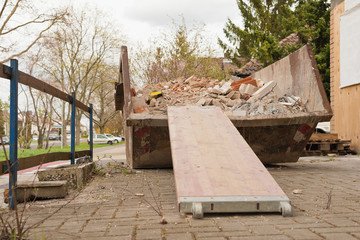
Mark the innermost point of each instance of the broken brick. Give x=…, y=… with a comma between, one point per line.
x=139, y=104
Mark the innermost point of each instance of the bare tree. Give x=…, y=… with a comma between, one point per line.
x=115, y=125
x=20, y=20
x=75, y=54
x=43, y=111
x=103, y=97
x=180, y=52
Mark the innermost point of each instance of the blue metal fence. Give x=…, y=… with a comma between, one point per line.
x=13, y=132
x=15, y=75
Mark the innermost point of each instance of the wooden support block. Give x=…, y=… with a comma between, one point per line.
x=324, y=147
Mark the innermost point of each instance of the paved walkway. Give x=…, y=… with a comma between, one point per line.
x=102, y=155
x=326, y=206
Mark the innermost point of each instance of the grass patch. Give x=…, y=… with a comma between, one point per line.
x=22, y=153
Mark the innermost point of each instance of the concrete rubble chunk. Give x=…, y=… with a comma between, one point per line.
x=260, y=83
x=212, y=92
x=242, y=88
x=152, y=102
x=226, y=88
x=201, y=102
x=250, y=89
x=230, y=94
x=139, y=104
x=215, y=90
x=213, y=95
x=192, y=78
x=262, y=92
x=239, y=113
x=249, y=80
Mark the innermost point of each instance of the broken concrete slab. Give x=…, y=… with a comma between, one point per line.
x=75, y=175
x=29, y=190
x=262, y=92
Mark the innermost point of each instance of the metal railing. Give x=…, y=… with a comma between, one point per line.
x=15, y=76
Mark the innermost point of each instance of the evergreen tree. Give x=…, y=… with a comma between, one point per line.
x=266, y=22
x=314, y=28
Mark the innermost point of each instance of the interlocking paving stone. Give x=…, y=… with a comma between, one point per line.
x=338, y=236
x=104, y=210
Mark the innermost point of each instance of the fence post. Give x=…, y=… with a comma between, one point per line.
x=73, y=128
x=91, y=132
x=13, y=132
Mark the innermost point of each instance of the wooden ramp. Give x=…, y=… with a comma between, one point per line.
x=215, y=169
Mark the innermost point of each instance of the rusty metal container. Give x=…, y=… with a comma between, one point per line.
x=274, y=139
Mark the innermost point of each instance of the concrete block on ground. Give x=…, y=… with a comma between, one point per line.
x=28, y=190
x=75, y=175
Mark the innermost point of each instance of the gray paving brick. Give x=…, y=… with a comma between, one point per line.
x=120, y=215
x=277, y=237
x=223, y=234
x=231, y=226
x=148, y=234
x=208, y=222
x=116, y=230
x=264, y=230
x=337, y=236
x=336, y=229
x=179, y=236
x=301, y=234
x=341, y=221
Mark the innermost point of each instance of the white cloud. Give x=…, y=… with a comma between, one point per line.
x=141, y=19
x=158, y=12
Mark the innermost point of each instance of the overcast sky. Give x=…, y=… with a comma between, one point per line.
x=141, y=19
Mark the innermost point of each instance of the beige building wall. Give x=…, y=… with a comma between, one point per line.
x=345, y=102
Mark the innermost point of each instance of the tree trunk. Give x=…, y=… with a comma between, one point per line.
x=63, y=127
x=77, y=127
x=102, y=129
x=40, y=140
x=28, y=130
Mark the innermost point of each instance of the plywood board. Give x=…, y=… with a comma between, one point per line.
x=212, y=160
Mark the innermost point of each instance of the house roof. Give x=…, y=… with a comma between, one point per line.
x=249, y=68
x=292, y=39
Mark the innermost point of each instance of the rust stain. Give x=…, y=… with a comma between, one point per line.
x=142, y=132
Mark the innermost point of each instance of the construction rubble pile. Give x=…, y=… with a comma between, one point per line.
x=239, y=98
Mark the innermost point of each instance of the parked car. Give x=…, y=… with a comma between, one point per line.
x=323, y=127
x=101, y=139
x=122, y=137
x=5, y=140
x=116, y=139
x=53, y=136
x=35, y=137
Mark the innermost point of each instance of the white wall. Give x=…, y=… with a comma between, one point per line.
x=350, y=45
x=349, y=4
